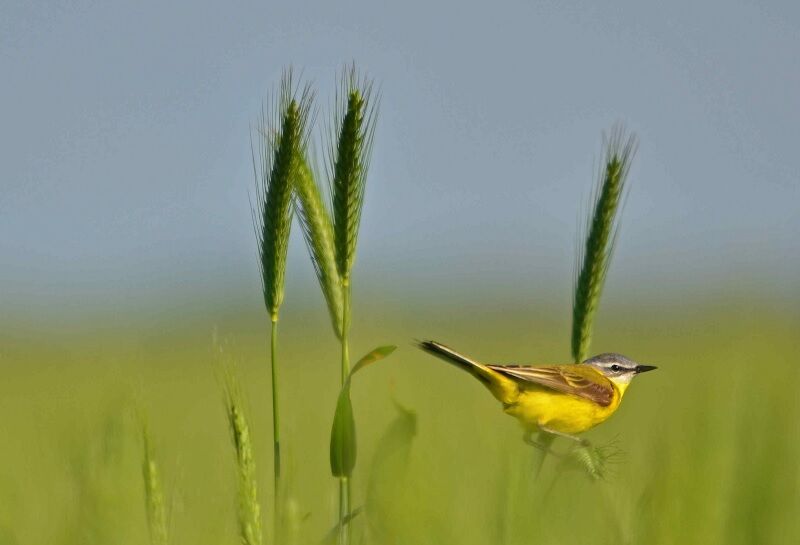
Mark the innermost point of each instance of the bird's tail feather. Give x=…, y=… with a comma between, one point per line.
x=449, y=355
x=499, y=385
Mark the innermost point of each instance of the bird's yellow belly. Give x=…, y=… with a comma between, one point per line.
x=565, y=413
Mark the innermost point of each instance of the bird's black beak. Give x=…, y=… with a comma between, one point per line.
x=644, y=368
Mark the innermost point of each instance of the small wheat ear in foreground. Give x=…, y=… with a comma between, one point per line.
x=154, y=496
x=248, y=507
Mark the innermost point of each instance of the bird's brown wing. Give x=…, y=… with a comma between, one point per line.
x=576, y=379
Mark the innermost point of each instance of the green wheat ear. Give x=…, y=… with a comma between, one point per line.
x=282, y=138
x=315, y=220
x=282, y=141
x=349, y=150
x=154, y=497
x=595, y=462
x=248, y=507
x=594, y=255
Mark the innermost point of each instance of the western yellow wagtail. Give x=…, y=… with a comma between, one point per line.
x=561, y=400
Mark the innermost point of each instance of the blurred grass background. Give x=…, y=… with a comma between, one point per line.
x=709, y=443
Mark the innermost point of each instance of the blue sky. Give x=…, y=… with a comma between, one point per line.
x=125, y=161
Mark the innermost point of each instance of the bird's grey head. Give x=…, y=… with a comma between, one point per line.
x=617, y=367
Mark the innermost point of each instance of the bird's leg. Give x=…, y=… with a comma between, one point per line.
x=530, y=440
x=580, y=440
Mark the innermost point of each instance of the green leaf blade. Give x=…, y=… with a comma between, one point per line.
x=373, y=356
x=343, y=436
x=343, y=446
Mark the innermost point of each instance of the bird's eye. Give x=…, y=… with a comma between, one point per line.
x=615, y=367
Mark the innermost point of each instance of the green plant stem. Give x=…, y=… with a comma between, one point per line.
x=276, y=434
x=344, y=510
x=345, y=328
x=344, y=482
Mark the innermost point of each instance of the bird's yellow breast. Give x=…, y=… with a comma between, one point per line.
x=537, y=407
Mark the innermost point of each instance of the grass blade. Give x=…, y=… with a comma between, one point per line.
x=330, y=537
x=594, y=257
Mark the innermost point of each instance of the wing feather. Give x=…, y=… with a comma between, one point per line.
x=586, y=383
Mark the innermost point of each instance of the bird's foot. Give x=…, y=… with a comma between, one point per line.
x=579, y=440
x=545, y=447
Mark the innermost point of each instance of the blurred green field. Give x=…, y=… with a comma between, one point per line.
x=710, y=443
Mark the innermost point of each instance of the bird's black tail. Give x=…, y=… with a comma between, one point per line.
x=502, y=387
x=491, y=379
x=449, y=355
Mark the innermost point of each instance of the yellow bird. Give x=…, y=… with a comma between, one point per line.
x=561, y=400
